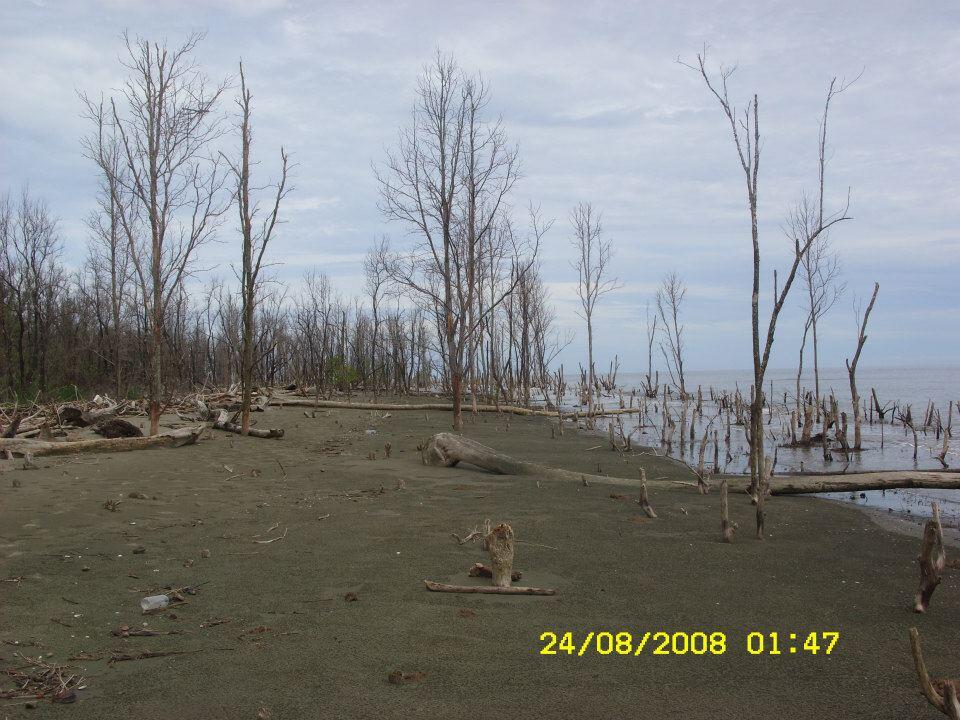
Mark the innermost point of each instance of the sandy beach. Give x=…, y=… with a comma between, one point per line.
x=294, y=647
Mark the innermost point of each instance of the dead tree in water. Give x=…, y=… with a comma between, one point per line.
x=255, y=241
x=651, y=383
x=670, y=298
x=807, y=224
x=852, y=369
x=594, y=255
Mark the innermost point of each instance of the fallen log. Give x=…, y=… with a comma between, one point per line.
x=38, y=448
x=223, y=422
x=848, y=482
x=448, y=449
x=117, y=428
x=505, y=409
x=488, y=589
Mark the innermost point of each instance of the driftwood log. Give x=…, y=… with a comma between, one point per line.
x=941, y=693
x=117, y=428
x=488, y=589
x=847, y=482
x=644, y=501
x=393, y=407
x=448, y=449
x=225, y=422
x=932, y=560
x=38, y=448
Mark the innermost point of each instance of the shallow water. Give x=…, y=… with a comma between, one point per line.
x=885, y=446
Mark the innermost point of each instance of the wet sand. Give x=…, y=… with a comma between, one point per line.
x=296, y=647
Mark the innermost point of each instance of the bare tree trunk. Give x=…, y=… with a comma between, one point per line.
x=852, y=369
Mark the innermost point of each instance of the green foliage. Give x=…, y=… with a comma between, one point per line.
x=340, y=373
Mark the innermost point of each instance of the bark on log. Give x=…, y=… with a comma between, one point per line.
x=488, y=589
x=932, y=560
x=448, y=449
x=38, y=448
x=223, y=423
x=941, y=693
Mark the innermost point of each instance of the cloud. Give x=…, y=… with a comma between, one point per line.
x=601, y=110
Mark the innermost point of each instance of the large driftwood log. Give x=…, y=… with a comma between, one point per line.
x=488, y=589
x=941, y=693
x=932, y=560
x=847, y=482
x=392, y=407
x=37, y=448
x=448, y=449
x=223, y=422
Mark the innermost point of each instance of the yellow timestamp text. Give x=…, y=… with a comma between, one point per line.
x=661, y=642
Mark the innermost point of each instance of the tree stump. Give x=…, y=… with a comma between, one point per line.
x=932, y=560
x=500, y=544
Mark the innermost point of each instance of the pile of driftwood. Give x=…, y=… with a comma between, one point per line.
x=39, y=429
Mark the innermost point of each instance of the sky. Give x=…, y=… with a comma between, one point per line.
x=602, y=112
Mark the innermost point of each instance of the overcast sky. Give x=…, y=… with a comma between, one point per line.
x=602, y=112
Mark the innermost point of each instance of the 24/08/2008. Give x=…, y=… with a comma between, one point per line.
x=682, y=643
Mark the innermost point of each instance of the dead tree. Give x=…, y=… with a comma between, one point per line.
x=447, y=181
x=727, y=528
x=852, y=369
x=651, y=383
x=670, y=298
x=806, y=227
x=500, y=545
x=256, y=234
x=594, y=255
x=164, y=118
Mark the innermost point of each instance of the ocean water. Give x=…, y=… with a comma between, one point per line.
x=896, y=389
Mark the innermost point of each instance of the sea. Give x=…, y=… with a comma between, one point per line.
x=896, y=389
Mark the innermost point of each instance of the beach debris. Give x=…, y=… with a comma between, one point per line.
x=264, y=714
x=726, y=527
x=387, y=449
x=398, y=677
x=941, y=693
x=481, y=570
x=644, y=501
x=401, y=484
x=117, y=656
x=500, y=542
x=475, y=534
x=139, y=550
x=117, y=428
x=170, y=438
x=154, y=602
x=112, y=505
x=466, y=613
x=351, y=597
x=272, y=540
x=137, y=496
x=205, y=552
x=127, y=631
x=38, y=679
x=488, y=589
x=213, y=622
x=932, y=560
x=500, y=545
